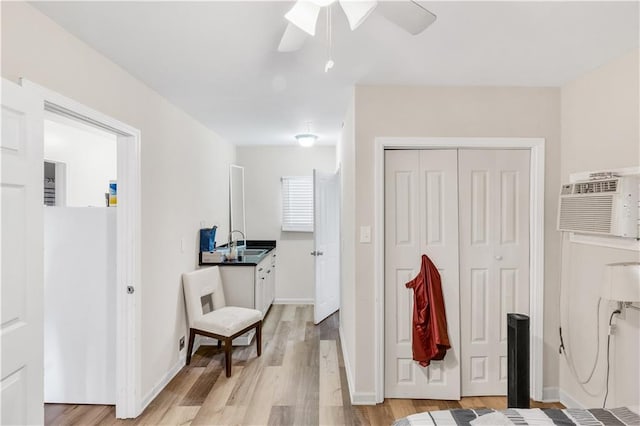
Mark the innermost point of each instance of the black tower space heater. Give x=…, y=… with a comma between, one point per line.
x=518, y=361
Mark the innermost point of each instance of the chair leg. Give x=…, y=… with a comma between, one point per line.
x=227, y=356
x=259, y=338
x=192, y=337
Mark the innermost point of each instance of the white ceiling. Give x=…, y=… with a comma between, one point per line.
x=218, y=60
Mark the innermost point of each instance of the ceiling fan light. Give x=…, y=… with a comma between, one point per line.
x=357, y=11
x=304, y=15
x=306, y=139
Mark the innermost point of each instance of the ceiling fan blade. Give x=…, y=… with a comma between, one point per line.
x=292, y=39
x=408, y=15
x=304, y=15
x=357, y=11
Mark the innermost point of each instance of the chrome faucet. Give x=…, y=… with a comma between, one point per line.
x=233, y=244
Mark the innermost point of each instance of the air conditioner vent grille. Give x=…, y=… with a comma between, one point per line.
x=596, y=186
x=586, y=214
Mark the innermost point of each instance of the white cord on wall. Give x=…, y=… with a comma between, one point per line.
x=563, y=349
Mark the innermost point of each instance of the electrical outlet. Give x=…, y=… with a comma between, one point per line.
x=181, y=343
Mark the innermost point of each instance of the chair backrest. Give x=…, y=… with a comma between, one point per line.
x=202, y=288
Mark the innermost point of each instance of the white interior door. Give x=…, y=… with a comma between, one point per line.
x=22, y=174
x=494, y=261
x=421, y=216
x=326, y=216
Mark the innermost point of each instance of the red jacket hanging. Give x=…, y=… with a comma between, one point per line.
x=430, y=338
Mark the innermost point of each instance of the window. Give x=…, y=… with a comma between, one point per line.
x=297, y=203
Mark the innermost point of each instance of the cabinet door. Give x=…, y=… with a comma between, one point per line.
x=272, y=283
x=269, y=288
x=262, y=274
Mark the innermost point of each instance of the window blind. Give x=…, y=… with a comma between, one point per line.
x=297, y=203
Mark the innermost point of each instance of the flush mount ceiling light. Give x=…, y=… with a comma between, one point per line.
x=306, y=139
x=303, y=17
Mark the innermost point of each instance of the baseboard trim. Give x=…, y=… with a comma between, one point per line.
x=345, y=359
x=292, y=301
x=363, y=398
x=550, y=394
x=568, y=400
x=182, y=360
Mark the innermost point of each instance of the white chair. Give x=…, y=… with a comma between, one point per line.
x=209, y=316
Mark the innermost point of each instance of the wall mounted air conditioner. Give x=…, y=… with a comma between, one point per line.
x=603, y=207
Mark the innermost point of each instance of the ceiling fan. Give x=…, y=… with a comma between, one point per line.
x=302, y=18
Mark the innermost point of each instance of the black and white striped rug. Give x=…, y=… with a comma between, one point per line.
x=622, y=416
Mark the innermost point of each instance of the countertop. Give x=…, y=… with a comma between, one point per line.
x=269, y=245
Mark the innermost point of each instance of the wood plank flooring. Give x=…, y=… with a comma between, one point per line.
x=299, y=380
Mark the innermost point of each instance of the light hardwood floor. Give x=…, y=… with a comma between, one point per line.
x=299, y=380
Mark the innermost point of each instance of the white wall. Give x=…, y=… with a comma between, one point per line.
x=345, y=153
x=449, y=112
x=90, y=156
x=600, y=131
x=263, y=168
x=185, y=167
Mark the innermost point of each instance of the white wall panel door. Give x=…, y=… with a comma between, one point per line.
x=326, y=236
x=421, y=216
x=22, y=173
x=494, y=261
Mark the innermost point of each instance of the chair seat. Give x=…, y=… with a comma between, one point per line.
x=228, y=320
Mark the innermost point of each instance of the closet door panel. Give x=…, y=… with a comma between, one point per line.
x=439, y=240
x=420, y=217
x=402, y=245
x=494, y=261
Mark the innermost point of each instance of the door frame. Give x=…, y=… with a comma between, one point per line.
x=128, y=247
x=536, y=146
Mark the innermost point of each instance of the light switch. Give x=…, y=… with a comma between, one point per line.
x=365, y=234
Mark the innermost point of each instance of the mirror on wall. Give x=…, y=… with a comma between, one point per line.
x=236, y=200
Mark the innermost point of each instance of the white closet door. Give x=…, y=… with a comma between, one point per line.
x=494, y=261
x=421, y=211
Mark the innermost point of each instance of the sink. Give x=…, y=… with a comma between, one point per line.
x=253, y=252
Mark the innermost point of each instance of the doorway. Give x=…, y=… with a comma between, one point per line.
x=536, y=242
x=128, y=399
x=24, y=106
x=80, y=263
